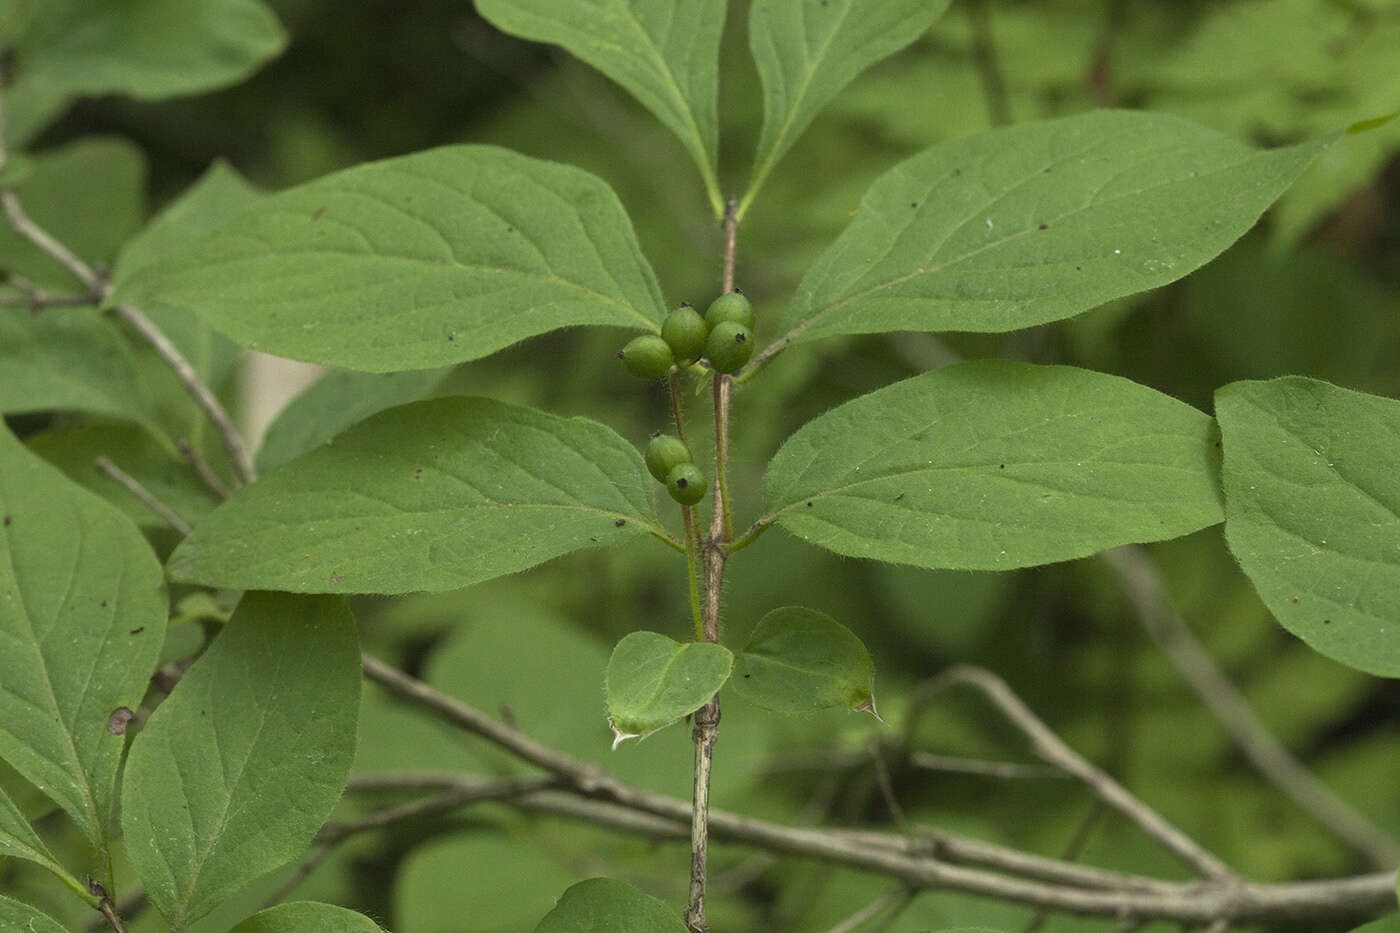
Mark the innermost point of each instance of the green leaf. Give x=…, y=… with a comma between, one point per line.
x=71, y=359
x=435, y=495
x=1312, y=497
x=653, y=681
x=335, y=402
x=82, y=619
x=307, y=917
x=219, y=195
x=19, y=917
x=1387, y=924
x=60, y=194
x=808, y=50
x=148, y=49
x=237, y=769
x=992, y=465
x=416, y=262
x=664, y=52
x=602, y=905
x=1039, y=222
x=19, y=840
x=165, y=474
x=800, y=660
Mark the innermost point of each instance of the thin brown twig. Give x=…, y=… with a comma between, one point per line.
x=1194, y=902
x=132, y=485
x=1052, y=749
x=707, y=717
x=1146, y=591
x=109, y=910
x=1039, y=881
x=1006, y=770
x=899, y=895
x=25, y=226
x=465, y=794
x=202, y=468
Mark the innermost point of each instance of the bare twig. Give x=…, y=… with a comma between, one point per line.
x=899, y=897
x=25, y=226
x=1034, y=880
x=464, y=794
x=195, y=386
x=1145, y=590
x=202, y=468
x=1049, y=746
x=1008, y=770
x=1195, y=902
x=707, y=717
x=148, y=499
x=109, y=910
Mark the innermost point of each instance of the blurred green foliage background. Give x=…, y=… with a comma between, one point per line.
x=1315, y=291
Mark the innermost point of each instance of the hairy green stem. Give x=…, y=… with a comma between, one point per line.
x=691, y=573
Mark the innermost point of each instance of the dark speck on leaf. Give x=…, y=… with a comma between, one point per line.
x=1002, y=467
x=337, y=578
x=809, y=503
x=137, y=631
x=1326, y=621
x=620, y=522
x=1044, y=226
x=319, y=211
x=104, y=604
x=913, y=203
x=7, y=521
x=1077, y=268
x=451, y=336
x=418, y=473
x=747, y=676
x=898, y=497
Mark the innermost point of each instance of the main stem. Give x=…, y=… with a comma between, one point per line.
x=707, y=717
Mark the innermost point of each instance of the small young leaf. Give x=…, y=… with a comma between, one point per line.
x=1039, y=222
x=806, y=52
x=237, y=769
x=991, y=465
x=800, y=660
x=430, y=496
x=665, y=52
x=307, y=917
x=82, y=619
x=1311, y=498
x=19, y=917
x=654, y=681
x=415, y=262
x=602, y=905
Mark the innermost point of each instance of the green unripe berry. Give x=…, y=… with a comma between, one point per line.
x=731, y=306
x=664, y=454
x=647, y=357
x=686, y=483
x=684, y=331
x=729, y=346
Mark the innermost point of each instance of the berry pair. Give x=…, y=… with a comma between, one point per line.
x=669, y=461
x=724, y=336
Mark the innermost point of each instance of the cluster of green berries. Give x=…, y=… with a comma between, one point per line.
x=669, y=460
x=724, y=336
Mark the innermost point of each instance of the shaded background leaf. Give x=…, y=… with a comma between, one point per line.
x=798, y=660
